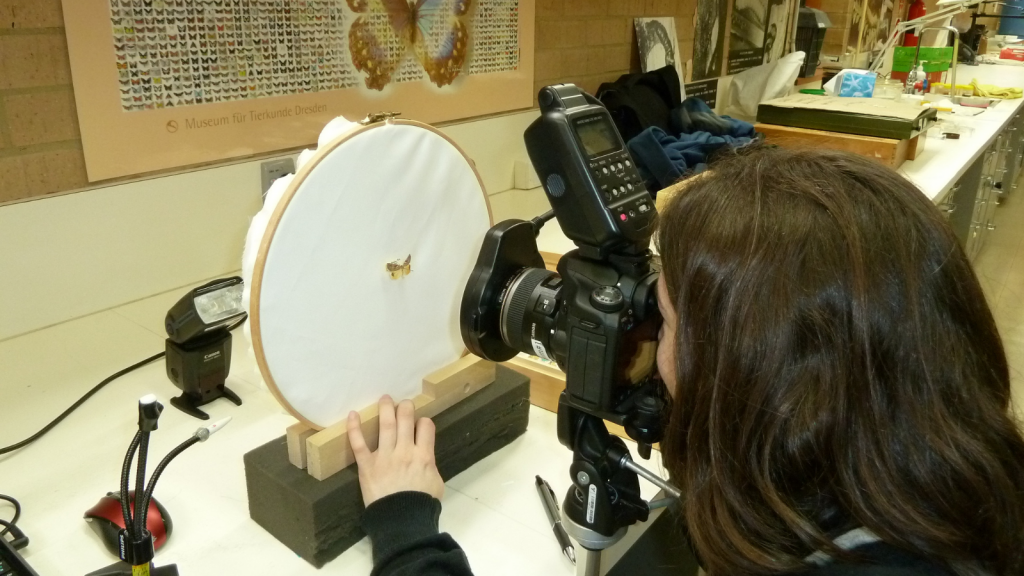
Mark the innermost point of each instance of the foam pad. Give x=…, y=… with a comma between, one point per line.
x=318, y=520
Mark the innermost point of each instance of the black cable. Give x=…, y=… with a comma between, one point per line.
x=140, y=488
x=81, y=401
x=17, y=514
x=96, y=389
x=541, y=220
x=126, y=470
x=18, y=538
x=163, y=464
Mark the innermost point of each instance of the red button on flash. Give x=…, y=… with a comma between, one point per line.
x=622, y=217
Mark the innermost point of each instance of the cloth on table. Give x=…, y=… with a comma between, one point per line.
x=992, y=91
x=664, y=158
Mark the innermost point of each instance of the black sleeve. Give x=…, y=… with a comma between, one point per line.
x=406, y=541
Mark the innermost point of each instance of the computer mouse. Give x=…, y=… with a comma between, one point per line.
x=107, y=521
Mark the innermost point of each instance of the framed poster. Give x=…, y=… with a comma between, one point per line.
x=167, y=83
x=709, y=38
x=706, y=90
x=746, y=35
x=870, y=23
x=759, y=32
x=658, y=45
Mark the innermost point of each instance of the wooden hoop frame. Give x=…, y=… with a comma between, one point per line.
x=275, y=219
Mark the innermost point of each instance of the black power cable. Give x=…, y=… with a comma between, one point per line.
x=17, y=514
x=80, y=401
x=90, y=393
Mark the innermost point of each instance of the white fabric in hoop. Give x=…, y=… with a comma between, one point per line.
x=334, y=331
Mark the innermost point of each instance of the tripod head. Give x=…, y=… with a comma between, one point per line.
x=605, y=496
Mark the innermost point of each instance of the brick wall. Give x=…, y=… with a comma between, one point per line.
x=582, y=41
x=838, y=13
x=40, y=148
x=588, y=42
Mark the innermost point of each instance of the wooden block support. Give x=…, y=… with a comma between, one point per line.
x=328, y=451
x=296, y=435
x=551, y=260
x=887, y=151
x=546, y=382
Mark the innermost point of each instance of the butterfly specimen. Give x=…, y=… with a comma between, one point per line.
x=380, y=37
x=397, y=268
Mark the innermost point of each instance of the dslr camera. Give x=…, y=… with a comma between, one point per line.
x=597, y=317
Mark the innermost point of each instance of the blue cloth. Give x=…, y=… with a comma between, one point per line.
x=663, y=158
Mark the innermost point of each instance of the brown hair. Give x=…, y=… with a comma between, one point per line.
x=837, y=367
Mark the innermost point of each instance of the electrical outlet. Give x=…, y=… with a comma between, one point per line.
x=274, y=169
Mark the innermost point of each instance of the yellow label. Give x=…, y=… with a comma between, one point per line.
x=141, y=570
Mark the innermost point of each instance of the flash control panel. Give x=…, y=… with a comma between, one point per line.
x=621, y=188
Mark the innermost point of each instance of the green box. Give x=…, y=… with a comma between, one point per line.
x=931, y=59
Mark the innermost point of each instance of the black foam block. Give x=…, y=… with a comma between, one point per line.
x=318, y=520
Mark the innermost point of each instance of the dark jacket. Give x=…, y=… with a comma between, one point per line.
x=406, y=542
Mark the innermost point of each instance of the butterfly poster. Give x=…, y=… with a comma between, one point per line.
x=170, y=83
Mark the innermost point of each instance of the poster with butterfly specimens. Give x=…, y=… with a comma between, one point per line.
x=162, y=84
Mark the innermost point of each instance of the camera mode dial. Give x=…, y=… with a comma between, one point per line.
x=607, y=299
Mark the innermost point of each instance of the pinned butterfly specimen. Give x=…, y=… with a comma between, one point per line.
x=397, y=268
x=380, y=37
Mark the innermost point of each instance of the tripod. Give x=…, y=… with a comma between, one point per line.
x=605, y=497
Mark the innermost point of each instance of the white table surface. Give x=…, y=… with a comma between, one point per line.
x=492, y=509
x=944, y=161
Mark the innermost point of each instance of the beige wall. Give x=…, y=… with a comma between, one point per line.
x=40, y=148
x=70, y=255
x=588, y=42
x=838, y=13
x=582, y=41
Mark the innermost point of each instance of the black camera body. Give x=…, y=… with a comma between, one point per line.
x=597, y=318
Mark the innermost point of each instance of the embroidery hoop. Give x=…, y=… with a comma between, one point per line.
x=446, y=182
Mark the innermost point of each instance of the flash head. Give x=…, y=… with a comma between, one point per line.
x=198, y=347
x=212, y=306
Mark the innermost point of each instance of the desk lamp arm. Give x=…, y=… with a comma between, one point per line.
x=921, y=22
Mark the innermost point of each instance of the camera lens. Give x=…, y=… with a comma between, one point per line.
x=528, y=308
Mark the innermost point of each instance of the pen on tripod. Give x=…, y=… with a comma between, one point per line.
x=547, y=498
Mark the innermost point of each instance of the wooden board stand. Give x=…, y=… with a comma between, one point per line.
x=326, y=452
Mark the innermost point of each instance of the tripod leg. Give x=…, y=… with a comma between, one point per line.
x=591, y=565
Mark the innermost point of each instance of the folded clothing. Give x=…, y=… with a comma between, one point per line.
x=694, y=115
x=992, y=91
x=663, y=158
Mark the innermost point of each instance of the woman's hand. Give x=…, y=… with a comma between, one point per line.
x=404, y=459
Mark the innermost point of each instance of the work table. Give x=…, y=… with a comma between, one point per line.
x=492, y=509
x=943, y=162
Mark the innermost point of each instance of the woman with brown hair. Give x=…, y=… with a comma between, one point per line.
x=841, y=395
